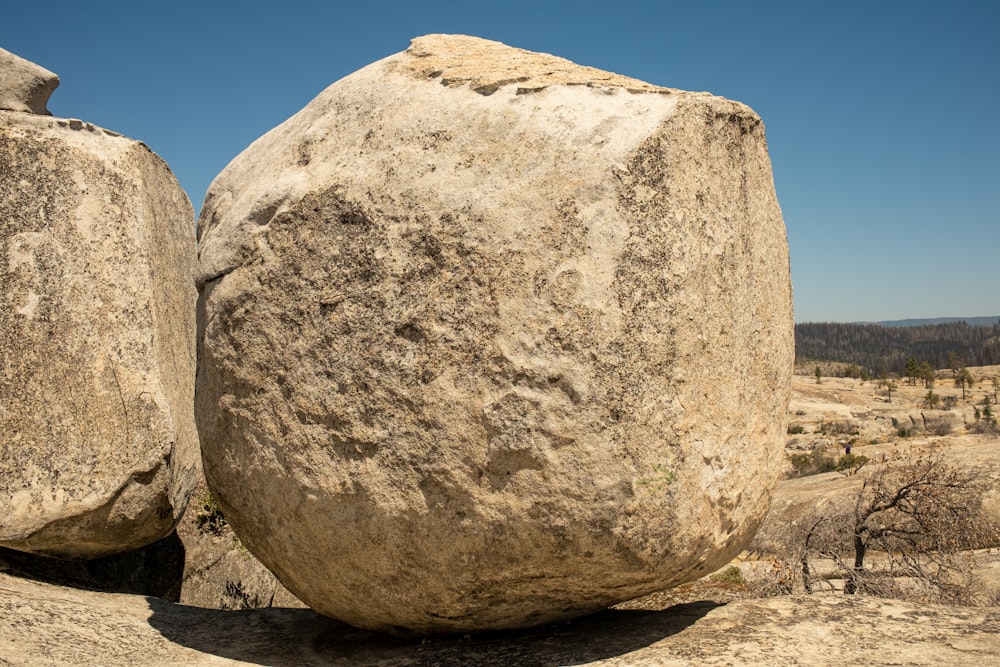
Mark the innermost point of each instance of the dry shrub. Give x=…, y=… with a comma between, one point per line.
x=906, y=533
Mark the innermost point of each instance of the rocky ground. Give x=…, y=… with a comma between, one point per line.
x=821, y=409
x=828, y=417
x=42, y=624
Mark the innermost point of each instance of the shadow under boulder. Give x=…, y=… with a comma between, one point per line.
x=155, y=570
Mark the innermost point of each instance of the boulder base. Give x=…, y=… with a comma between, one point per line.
x=490, y=339
x=48, y=625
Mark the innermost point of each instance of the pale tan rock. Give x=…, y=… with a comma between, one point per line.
x=491, y=339
x=47, y=625
x=98, y=449
x=24, y=86
x=219, y=572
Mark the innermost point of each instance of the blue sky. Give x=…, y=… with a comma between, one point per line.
x=883, y=117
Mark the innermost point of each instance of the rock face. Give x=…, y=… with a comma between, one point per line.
x=490, y=339
x=98, y=449
x=24, y=86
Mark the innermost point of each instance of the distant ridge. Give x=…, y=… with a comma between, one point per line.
x=888, y=345
x=972, y=321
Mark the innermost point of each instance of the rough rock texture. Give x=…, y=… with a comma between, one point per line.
x=47, y=625
x=24, y=86
x=489, y=339
x=98, y=449
x=219, y=572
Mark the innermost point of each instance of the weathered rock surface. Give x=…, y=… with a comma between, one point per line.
x=47, y=625
x=98, y=449
x=24, y=86
x=490, y=339
x=219, y=572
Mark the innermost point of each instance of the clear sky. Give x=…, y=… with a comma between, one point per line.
x=882, y=116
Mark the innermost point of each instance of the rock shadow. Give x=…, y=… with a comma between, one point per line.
x=156, y=569
x=286, y=637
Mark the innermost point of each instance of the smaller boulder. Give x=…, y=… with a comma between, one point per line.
x=24, y=86
x=98, y=448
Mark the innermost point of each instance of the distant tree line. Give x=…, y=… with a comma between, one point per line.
x=881, y=349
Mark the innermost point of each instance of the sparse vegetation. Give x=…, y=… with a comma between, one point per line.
x=209, y=518
x=854, y=371
x=904, y=533
x=850, y=464
x=987, y=413
x=817, y=462
x=927, y=375
x=918, y=515
x=810, y=463
x=237, y=597
x=890, y=386
x=731, y=575
x=986, y=421
x=910, y=521
x=943, y=428
x=931, y=400
x=663, y=478
x=839, y=428
x=963, y=378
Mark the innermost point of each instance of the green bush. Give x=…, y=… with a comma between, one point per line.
x=795, y=429
x=943, y=428
x=811, y=463
x=817, y=462
x=849, y=464
x=839, y=428
x=731, y=575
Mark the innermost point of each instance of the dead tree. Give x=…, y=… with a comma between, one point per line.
x=918, y=515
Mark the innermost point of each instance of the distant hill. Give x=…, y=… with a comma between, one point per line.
x=974, y=321
x=887, y=347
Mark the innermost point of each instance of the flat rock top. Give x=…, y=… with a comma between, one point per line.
x=42, y=624
x=486, y=65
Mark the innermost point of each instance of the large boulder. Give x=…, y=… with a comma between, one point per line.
x=490, y=339
x=98, y=449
